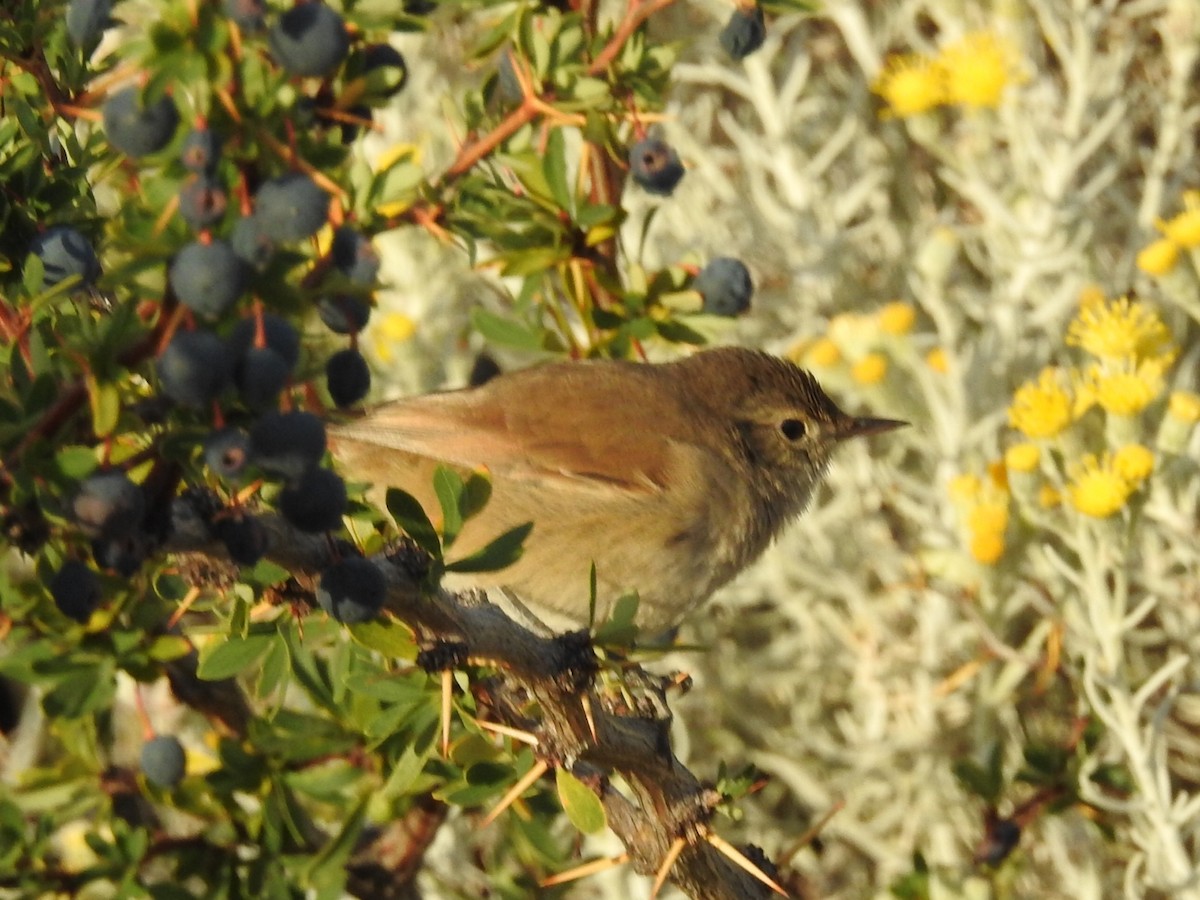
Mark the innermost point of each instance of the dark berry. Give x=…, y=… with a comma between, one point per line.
x=385, y=69
x=227, y=452
x=655, y=165
x=354, y=256
x=309, y=40
x=315, y=501
x=201, y=151
x=65, y=252
x=250, y=15
x=725, y=286
x=351, y=120
x=123, y=555
x=260, y=375
x=278, y=333
x=86, y=21
x=287, y=444
x=252, y=245
x=202, y=202
x=108, y=504
x=208, y=277
x=244, y=537
x=352, y=590
x=744, y=32
x=194, y=368
x=348, y=377
x=136, y=129
x=344, y=313
x=291, y=207
x=76, y=591
x=483, y=370
x=163, y=761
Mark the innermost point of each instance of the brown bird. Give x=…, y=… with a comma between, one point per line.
x=671, y=478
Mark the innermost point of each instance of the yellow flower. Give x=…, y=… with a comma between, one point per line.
x=1022, y=457
x=1042, y=408
x=990, y=515
x=897, y=317
x=1134, y=462
x=871, y=369
x=1117, y=329
x=1183, y=229
x=823, y=354
x=937, y=360
x=987, y=547
x=1158, y=257
x=964, y=487
x=1090, y=294
x=1048, y=496
x=1097, y=489
x=1126, y=388
x=910, y=85
x=394, y=328
x=976, y=69
x=1184, y=406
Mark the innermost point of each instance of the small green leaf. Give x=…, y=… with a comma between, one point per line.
x=477, y=491
x=554, y=165
x=448, y=485
x=105, y=401
x=580, y=803
x=386, y=636
x=231, y=656
x=411, y=517
x=502, y=552
x=505, y=332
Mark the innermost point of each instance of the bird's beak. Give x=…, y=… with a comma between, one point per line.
x=865, y=426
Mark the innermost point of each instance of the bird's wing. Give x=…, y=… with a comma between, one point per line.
x=531, y=426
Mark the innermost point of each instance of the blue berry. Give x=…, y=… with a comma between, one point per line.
x=744, y=32
x=65, y=252
x=291, y=207
x=315, y=501
x=352, y=590
x=655, y=165
x=194, y=368
x=309, y=40
x=208, y=278
x=136, y=129
x=227, y=452
x=76, y=591
x=287, y=444
x=726, y=287
x=108, y=505
x=348, y=377
x=163, y=761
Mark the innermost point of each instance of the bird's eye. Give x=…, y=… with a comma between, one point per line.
x=792, y=429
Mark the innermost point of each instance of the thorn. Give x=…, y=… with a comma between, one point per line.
x=586, y=701
x=447, y=698
x=537, y=771
x=184, y=605
x=668, y=863
x=738, y=859
x=594, y=867
x=515, y=733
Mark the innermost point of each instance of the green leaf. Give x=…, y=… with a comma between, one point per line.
x=411, y=517
x=105, y=401
x=580, y=803
x=448, y=485
x=554, y=165
x=386, y=636
x=477, y=491
x=505, y=332
x=231, y=656
x=502, y=552
x=620, y=627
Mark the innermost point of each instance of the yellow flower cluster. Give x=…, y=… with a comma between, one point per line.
x=861, y=341
x=972, y=71
x=1178, y=233
x=983, y=505
x=1129, y=351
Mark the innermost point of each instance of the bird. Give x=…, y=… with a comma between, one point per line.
x=670, y=478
